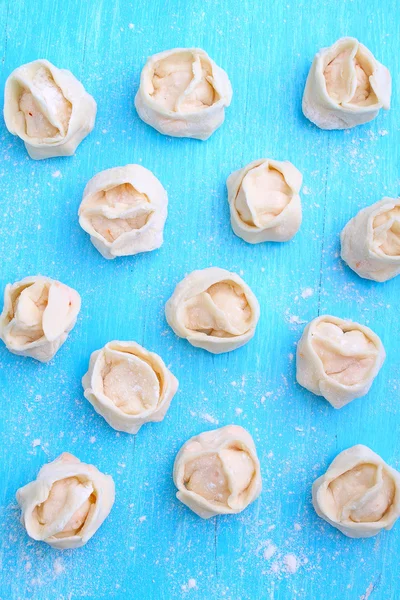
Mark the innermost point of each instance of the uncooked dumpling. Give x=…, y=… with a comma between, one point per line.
x=217, y=472
x=213, y=309
x=124, y=211
x=67, y=502
x=346, y=86
x=128, y=386
x=371, y=241
x=338, y=359
x=183, y=93
x=264, y=201
x=359, y=494
x=38, y=314
x=48, y=108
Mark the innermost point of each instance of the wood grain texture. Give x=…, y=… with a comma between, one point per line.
x=267, y=48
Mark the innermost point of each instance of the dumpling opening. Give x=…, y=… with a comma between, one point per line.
x=29, y=303
x=339, y=77
x=363, y=494
x=386, y=232
x=64, y=495
x=262, y=196
x=221, y=478
x=183, y=82
x=220, y=311
x=122, y=198
x=131, y=383
x=205, y=476
x=112, y=229
x=347, y=355
x=51, y=122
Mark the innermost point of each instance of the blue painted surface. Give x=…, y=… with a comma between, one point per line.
x=266, y=48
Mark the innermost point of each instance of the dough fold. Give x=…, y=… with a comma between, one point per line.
x=67, y=502
x=48, y=108
x=346, y=86
x=359, y=494
x=370, y=242
x=183, y=93
x=124, y=211
x=128, y=385
x=213, y=309
x=38, y=314
x=338, y=359
x=264, y=201
x=217, y=472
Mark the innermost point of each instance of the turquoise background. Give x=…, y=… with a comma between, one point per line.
x=151, y=546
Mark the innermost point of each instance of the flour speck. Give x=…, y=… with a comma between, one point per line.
x=58, y=566
x=307, y=293
x=290, y=562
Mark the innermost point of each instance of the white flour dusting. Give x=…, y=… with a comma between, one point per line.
x=307, y=293
x=58, y=566
x=290, y=562
x=269, y=551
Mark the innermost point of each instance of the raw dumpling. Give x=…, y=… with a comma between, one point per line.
x=217, y=472
x=371, y=241
x=359, y=493
x=264, y=201
x=48, y=108
x=124, y=211
x=38, y=314
x=214, y=310
x=128, y=386
x=67, y=502
x=183, y=93
x=338, y=359
x=346, y=86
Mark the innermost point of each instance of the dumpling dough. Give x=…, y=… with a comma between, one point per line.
x=371, y=241
x=183, y=93
x=128, y=386
x=38, y=314
x=359, y=493
x=264, y=201
x=48, y=108
x=338, y=359
x=346, y=86
x=214, y=310
x=217, y=472
x=67, y=502
x=124, y=211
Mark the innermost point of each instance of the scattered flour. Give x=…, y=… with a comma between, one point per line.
x=92, y=439
x=190, y=585
x=58, y=566
x=142, y=519
x=56, y=174
x=295, y=319
x=297, y=527
x=307, y=293
x=238, y=410
x=209, y=418
x=269, y=551
x=306, y=191
x=35, y=443
x=290, y=562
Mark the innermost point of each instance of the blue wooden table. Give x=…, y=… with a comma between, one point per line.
x=151, y=546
